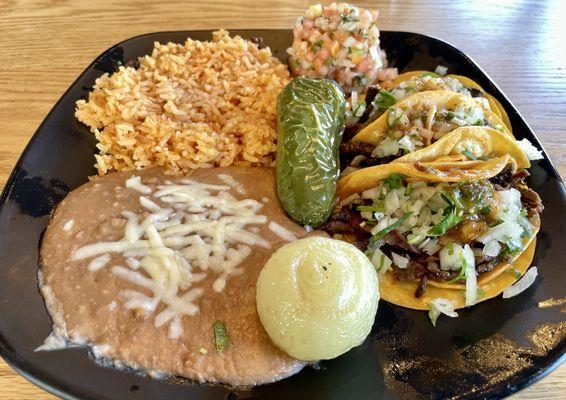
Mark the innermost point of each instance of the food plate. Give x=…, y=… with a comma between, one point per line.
x=492, y=351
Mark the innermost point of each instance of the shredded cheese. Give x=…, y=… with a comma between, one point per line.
x=99, y=262
x=234, y=184
x=185, y=232
x=282, y=232
x=135, y=183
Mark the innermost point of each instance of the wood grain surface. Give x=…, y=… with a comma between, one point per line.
x=45, y=45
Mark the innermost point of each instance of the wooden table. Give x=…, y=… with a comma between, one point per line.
x=46, y=44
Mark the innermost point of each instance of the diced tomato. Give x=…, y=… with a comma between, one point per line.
x=341, y=36
x=362, y=65
x=315, y=36
x=323, y=54
x=332, y=47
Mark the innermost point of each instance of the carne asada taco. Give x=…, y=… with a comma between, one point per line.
x=457, y=231
x=470, y=143
x=414, y=123
x=418, y=81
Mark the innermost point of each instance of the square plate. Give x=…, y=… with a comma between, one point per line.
x=492, y=350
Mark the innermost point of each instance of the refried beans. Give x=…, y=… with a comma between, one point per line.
x=99, y=295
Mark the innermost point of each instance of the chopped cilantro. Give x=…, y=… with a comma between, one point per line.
x=317, y=45
x=451, y=249
x=484, y=210
x=431, y=74
x=397, y=119
x=381, y=262
x=452, y=215
x=395, y=181
x=516, y=273
x=510, y=248
x=479, y=122
x=461, y=274
x=390, y=228
x=295, y=63
x=470, y=155
x=384, y=100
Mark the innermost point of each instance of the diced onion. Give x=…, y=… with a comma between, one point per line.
x=508, y=204
x=407, y=144
x=522, y=284
x=441, y=70
x=501, y=232
x=357, y=160
x=441, y=306
x=400, y=261
x=381, y=262
x=451, y=257
x=531, y=151
x=372, y=193
x=471, y=277
x=491, y=248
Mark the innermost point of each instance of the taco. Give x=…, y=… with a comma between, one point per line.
x=414, y=123
x=413, y=82
x=460, y=231
x=470, y=143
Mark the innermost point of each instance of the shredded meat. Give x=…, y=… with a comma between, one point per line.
x=346, y=220
x=436, y=273
x=421, y=287
x=506, y=179
x=487, y=265
x=475, y=92
x=355, y=147
x=364, y=120
x=530, y=199
x=398, y=242
x=351, y=149
x=336, y=226
x=414, y=271
x=371, y=94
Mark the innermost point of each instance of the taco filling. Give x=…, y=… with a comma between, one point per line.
x=413, y=129
x=381, y=100
x=440, y=233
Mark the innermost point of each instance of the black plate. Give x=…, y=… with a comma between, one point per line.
x=483, y=353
